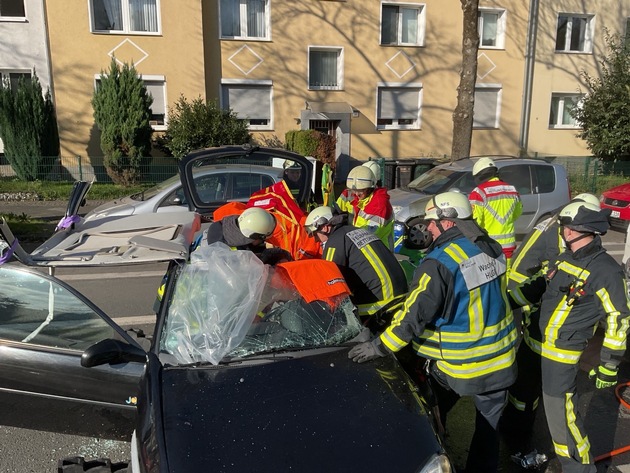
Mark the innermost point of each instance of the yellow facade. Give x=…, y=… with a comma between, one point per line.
x=196, y=55
x=174, y=54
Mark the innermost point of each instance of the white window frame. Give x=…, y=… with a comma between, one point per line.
x=147, y=78
x=501, y=22
x=126, y=21
x=340, y=67
x=422, y=18
x=259, y=84
x=588, y=34
x=397, y=123
x=497, y=116
x=562, y=98
x=243, y=17
x=17, y=19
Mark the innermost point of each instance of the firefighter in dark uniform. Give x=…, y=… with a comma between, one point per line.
x=457, y=316
x=375, y=277
x=539, y=248
x=583, y=286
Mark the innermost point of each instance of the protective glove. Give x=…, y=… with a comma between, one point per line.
x=606, y=376
x=365, y=352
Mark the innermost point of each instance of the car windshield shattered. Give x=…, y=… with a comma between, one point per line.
x=227, y=305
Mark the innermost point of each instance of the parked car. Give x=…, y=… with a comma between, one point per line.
x=543, y=186
x=245, y=371
x=617, y=200
x=217, y=183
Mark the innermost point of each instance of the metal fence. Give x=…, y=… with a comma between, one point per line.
x=586, y=173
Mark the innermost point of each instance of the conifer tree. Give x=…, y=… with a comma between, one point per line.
x=122, y=109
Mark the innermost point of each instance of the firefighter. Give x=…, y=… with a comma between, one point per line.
x=246, y=231
x=372, y=272
x=583, y=286
x=538, y=249
x=457, y=316
x=293, y=177
x=496, y=205
x=368, y=204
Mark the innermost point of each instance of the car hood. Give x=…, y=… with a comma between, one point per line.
x=407, y=204
x=621, y=192
x=311, y=413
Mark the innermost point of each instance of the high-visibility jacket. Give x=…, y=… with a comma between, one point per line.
x=457, y=313
x=496, y=206
x=372, y=272
x=289, y=233
x=374, y=213
x=539, y=248
x=579, y=289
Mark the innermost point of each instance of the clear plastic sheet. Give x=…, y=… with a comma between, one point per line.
x=216, y=299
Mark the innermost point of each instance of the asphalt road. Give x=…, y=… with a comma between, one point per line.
x=25, y=451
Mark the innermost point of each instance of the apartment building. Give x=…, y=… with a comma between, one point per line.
x=381, y=76
x=23, y=42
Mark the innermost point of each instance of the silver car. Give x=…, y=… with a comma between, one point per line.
x=216, y=183
x=543, y=186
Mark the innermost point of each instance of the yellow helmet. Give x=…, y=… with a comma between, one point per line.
x=317, y=218
x=448, y=205
x=361, y=177
x=585, y=217
x=256, y=223
x=586, y=197
x=482, y=164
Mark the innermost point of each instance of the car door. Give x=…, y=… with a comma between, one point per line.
x=520, y=176
x=45, y=326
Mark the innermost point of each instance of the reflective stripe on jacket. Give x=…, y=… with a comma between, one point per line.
x=374, y=213
x=469, y=330
x=370, y=269
x=496, y=206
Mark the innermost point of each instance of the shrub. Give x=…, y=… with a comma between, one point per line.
x=312, y=143
x=197, y=125
x=28, y=128
x=122, y=109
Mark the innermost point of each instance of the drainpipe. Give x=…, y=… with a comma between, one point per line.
x=530, y=60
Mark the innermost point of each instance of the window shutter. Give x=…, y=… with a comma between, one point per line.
x=248, y=101
x=398, y=103
x=485, y=110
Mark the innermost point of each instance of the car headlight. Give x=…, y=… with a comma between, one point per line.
x=439, y=463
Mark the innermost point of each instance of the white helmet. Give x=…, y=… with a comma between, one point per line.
x=361, y=177
x=317, y=218
x=585, y=217
x=289, y=164
x=482, y=164
x=256, y=223
x=586, y=197
x=374, y=167
x=448, y=205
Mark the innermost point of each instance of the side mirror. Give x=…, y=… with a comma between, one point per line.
x=110, y=351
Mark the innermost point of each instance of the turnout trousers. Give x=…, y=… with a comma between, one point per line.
x=570, y=442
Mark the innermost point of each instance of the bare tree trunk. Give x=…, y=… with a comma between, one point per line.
x=463, y=114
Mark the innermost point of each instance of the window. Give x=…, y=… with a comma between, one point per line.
x=244, y=19
x=491, y=28
x=13, y=77
x=403, y=24
x=574, y=33
x=518, y=176
x=561, y=107
x=487, y=106
x=398, y=107
x=251, y=100
x=125, y=16
x=156, y=86
x=325, y=68
x=12, y=9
